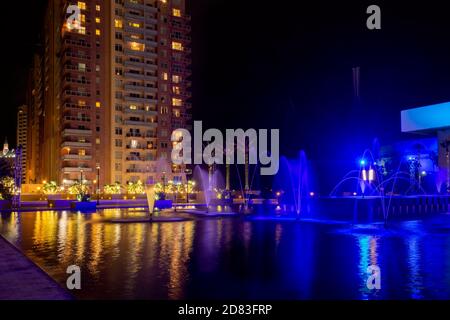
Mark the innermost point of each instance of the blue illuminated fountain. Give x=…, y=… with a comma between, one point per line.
x=293, y=181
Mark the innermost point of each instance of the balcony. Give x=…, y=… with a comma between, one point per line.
x=77, y=132
x=134, y=99
x=134, y=75
x=76, y=144
x=149, y=112
x=76, y=118
x=140, y=123
x=76, y=169
x=140, y=135
x=135, y=17
x=69, y=157
x=151, y=20
x=140, y=53
x=134, y=30
x=138, y=87
x=151, y=32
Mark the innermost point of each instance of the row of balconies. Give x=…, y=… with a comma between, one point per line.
x=140, y=87
x=76, y=132
x=141, y=147
x=78, y=43
x=142, y=76
x=150, y=43
x=77, y=93
x=71, y=80
x=141, y=135
x=76, y=106
x=140, y=6
x=76, y=118
x=76, y=144
x=71, y=157
x=140, y=123
x=148, y=54
x=140, y=111
x=140, y=99
x=141, y=64
x=141, y=158
x=148, y=30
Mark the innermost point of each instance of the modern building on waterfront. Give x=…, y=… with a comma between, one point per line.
x=106, y=94
x=434, y=121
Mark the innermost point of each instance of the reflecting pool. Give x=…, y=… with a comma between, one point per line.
x=235, y=257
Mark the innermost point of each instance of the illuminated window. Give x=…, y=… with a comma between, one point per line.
x=177, y=102
x=81, y=152
x=83, y=18
x=97, y=7
x=133, y=107
x=135, y=46
x=97, y=140
x=134, y=24
x=81, y=67
x=177, y=46
x=82, y=5
x=165, y=76
x=118, y=23
x=134, y=144
x=176, y=12
x=176, y=90
x=81, y=103
x=97, y=20
x=176, y=79
x=97, y=32
x=176, y=113
x=98, y=104
x=82, y=30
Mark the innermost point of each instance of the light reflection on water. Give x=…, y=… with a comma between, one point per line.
x=234, y=257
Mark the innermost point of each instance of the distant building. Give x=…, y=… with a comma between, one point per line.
x=432, y=121
x=22, y=128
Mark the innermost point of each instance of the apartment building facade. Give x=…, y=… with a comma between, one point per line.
x=114, y=87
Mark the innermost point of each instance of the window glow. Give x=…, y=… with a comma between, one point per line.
x=176, y=12
x=177, y=46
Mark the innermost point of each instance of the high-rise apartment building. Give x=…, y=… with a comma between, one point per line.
x=22, y=128
x=114, y=88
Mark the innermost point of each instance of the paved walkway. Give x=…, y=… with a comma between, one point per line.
x=21, y=279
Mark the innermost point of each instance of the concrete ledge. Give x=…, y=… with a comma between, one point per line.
x=21, y=279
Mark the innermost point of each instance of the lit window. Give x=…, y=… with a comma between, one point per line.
x=177, y=46
x=97, y=20
x=97, y=7
x=81, y=67
x=82, y=30
x=81, y=103
x=81, y=152
x=133, y=107
x=97, y=32
x=176, y=79
x=135, y=46
x=82, y=5
x=176, y=90
x=177, y=102
x=165, y=76
x=134, y=144
x=83, y=18
x=134, y=24
x=98, y=104
x=118, y=23
x=176, y=12
x=97, y=140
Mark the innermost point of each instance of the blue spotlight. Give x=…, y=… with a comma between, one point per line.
x=362, y=162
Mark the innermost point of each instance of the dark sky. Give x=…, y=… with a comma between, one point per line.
x=288, y=65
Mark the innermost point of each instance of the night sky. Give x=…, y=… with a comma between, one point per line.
x=288, y=65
